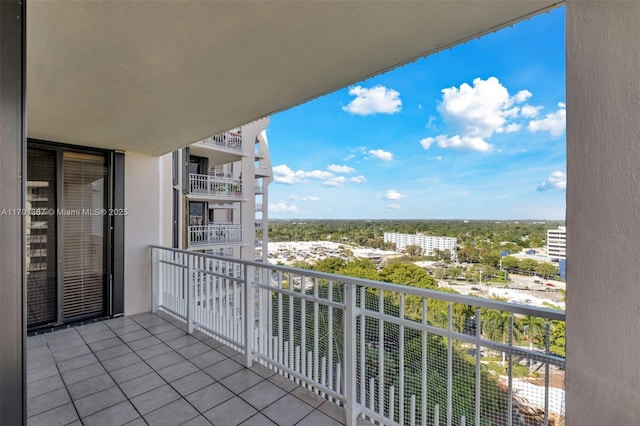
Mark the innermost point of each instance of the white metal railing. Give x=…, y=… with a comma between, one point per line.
x=220, y=173
x=230, y=140
x=215, y=185
x=258, y=189
x=387, y=353
x=215, y=234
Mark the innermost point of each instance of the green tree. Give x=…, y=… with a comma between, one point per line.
x=441, y=255
x=528, y=265
x=534, y=328
x=468, y=255
x=407, y=274
x=301, y=264
x=547, y=270
x=413, y=250
x=330, y=265
x=510, y=262
x=557, y=340
x=361, y=268
x=491, y=259
x=497, y=326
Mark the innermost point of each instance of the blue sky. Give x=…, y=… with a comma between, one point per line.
x=474, y=132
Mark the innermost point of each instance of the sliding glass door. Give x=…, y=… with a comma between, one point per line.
x=84, y=203
x=41, y=250
x=68, y=238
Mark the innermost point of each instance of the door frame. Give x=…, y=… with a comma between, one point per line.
x=113, y=303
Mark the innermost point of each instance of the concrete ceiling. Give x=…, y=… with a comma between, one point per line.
x=153, y=76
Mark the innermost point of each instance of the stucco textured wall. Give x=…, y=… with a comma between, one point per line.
x=603, y=212
x=144, y=225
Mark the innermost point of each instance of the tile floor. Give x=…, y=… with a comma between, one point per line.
x=144, y=369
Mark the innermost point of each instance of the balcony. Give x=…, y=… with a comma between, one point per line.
x=258, y=224
x=322, y=350
x=220, y=185
x=145, y=369
x=215, y=234
x=231, y=140
x=378, y=352
x=263, y=171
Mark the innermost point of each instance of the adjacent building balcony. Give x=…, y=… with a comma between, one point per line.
x=215, y=234
x=258, y=223
x=219, y=185
x=231, y=140
x=263, y=171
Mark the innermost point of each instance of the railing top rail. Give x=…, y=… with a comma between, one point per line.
x=550, y=314
x=220, y=178
x=212, y=226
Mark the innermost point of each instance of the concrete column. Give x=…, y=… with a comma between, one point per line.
x=603, y=212
x=12, y=244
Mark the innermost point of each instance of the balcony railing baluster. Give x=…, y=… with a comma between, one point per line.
x=368, y=346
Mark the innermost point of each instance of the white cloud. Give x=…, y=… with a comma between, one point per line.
x=530, y=111
x=458, y=142
x=481, y=110
x=284, y=174
x=319, y=174
x=557, y=180
x=337, y=181
x=427, y=142
x=381, y=155
x=377, y=100
x=476, y=112
x=430, y=122
x=392, y=194
x=340, y=169
x=522, y=96
x=306, y=198
x=513, y=127
x=437, y=157
x=393, y=207
x=282, y=208
x=555, y=122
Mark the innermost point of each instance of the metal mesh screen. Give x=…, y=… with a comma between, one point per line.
x=419, y=356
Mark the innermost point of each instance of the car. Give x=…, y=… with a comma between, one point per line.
x=537, y=282
x=475, y=288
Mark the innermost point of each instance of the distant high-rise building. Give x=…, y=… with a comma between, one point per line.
x=427, y=243
x=557, y=243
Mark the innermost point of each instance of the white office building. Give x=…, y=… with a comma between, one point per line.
x=557, y=243
x=427, y=243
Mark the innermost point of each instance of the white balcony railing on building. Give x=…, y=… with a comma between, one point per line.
x=215, y=186
x=214, y=234
x=258, y=189
x=388, y=353
x=230, y=140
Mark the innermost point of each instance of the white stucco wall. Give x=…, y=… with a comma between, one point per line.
x=148, y=201
x=603, y=212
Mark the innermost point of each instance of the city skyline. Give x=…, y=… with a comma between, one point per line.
x=474, y=132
